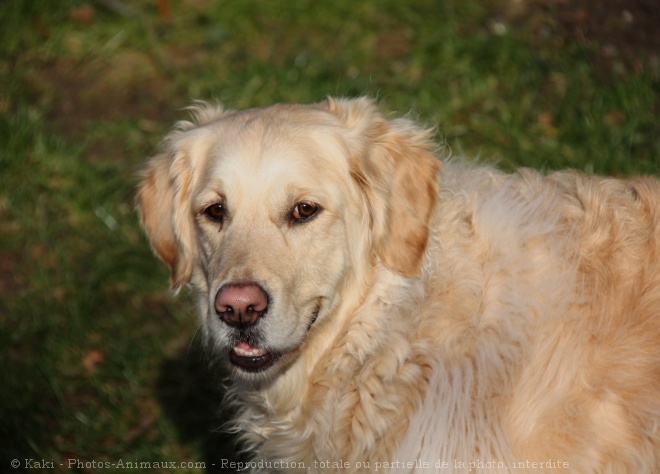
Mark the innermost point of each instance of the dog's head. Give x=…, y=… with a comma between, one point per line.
x=275, y=214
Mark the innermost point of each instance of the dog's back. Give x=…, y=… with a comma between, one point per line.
x=543, y=303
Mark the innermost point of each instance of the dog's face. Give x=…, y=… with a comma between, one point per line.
x=271, y=213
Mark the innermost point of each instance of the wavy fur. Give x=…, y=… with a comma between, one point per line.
x=431, y=319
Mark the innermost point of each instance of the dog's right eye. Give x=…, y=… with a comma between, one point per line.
x=215, y=212
x=304, y=211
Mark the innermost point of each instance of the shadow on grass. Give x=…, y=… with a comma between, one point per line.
x=191, y=393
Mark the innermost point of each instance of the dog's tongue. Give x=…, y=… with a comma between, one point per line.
x=244, y=349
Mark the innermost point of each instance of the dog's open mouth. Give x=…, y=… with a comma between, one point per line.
x=250, y=358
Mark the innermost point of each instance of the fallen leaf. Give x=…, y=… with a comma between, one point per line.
x=84, y=14
x=93, y=358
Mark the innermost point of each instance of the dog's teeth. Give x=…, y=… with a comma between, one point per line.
x=246, y=350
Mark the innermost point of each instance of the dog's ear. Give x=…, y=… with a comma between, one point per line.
x=163, y=204
x=164, y=194
x=393, y=163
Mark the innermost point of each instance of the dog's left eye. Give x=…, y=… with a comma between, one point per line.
x=303, y=211
x=216, y=212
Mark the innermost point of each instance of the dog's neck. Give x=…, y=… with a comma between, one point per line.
x=338, y=351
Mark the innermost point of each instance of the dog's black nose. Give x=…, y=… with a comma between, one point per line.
x=241, y=304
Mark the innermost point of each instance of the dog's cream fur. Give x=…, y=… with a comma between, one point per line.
x=467, y=319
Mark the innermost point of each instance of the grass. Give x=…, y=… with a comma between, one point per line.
x=100, y=362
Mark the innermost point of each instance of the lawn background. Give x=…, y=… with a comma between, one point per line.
x=100, y=362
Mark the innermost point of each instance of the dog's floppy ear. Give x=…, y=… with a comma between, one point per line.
x=162, y=201
x=393, y=163
x=163, y=196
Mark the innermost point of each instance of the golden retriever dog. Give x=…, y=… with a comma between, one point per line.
x=382, y=311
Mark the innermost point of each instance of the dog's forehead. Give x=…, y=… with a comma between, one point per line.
x=272, y=150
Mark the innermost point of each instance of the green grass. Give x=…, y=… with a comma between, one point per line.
x=100, y=362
